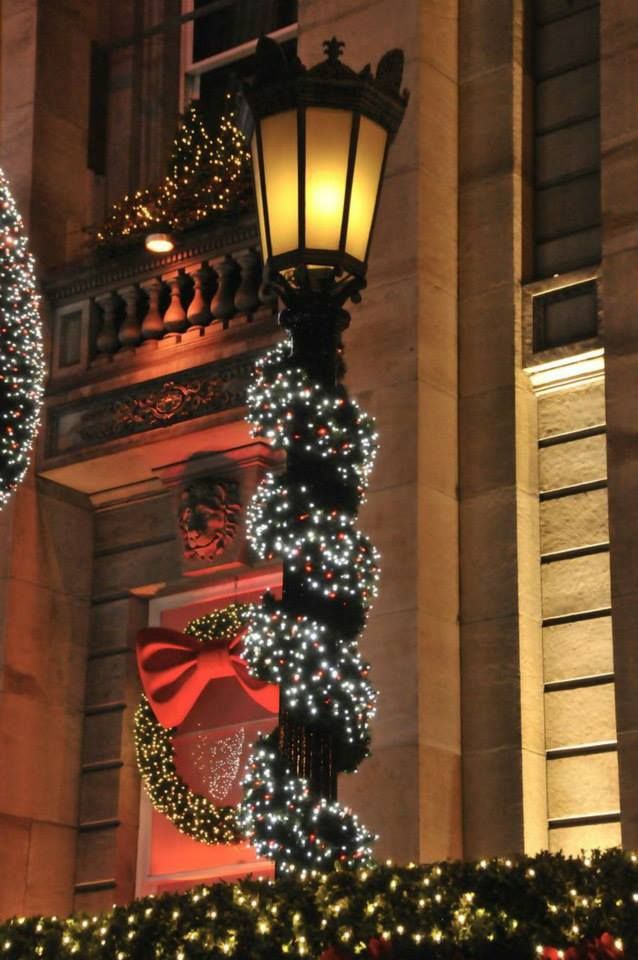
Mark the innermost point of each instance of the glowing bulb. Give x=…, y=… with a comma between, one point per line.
x=159, y=243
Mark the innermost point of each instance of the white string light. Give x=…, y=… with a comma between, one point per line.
x=315, y=660
x=22, y=366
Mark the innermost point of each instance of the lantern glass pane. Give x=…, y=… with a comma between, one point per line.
x=254, y=149
x=327, y=148
x=279, y=144
x=365, y=186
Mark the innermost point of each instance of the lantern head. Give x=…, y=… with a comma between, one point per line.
x=319, y=140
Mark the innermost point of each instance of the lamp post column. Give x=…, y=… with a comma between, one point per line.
x=315, y=333
x=319, y=141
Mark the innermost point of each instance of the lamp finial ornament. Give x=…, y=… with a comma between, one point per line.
x=333, y=49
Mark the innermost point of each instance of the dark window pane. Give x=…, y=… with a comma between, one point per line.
x=566, y=316
x=235, y=22
x=215, y=84
x=213, y=32
x=566, y=48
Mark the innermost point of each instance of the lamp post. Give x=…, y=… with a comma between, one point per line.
x=319, y=141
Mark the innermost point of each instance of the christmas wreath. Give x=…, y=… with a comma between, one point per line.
x=175, y=668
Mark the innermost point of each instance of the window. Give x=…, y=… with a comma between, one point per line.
x=211, y=749
x=566, y=54
x=218, y=46
x=567, y=315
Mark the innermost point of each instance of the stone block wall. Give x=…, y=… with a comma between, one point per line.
x=45, y=587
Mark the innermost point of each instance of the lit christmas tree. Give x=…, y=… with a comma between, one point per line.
x=207, y=177
x=22, y=365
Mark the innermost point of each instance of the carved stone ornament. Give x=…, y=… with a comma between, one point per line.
x=208, y=516
x=216, y=387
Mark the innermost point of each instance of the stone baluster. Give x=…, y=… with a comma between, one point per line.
x=267, y=295
x=247, y=296
x=106, y=341
x=223, y=303
x=175, y=316
x=130, y=333
x=153, y=325
x=198, y=313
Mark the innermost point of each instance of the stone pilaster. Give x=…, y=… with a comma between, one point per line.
x=619, y=146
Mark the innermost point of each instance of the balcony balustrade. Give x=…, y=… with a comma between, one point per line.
x=141, y=341
x=126, y=305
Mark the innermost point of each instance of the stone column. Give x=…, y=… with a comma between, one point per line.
x=44, y=594
x=503, y=749
x=619, y=149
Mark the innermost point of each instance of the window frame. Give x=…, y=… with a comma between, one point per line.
x=147, y=882
x=191, y=71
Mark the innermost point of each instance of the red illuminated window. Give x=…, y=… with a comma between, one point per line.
x=211, y=749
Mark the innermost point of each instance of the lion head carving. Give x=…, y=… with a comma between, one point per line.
x=208, y=517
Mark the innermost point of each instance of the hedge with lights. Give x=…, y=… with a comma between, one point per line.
x=306, y=643
x=208, y=177
x=540, y=907
x=22, y=366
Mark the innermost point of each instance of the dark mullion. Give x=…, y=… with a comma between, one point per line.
x=581, y=750
x=576, y=617
x=376, y=202
x=573, y=490
x=574, y=552
x=99, y=708
x=89, y=826
x=569, y=436
x=92, y=886
x=301, y=176
x=579, y=683
x=354, y=143
x=550, y=238
x=565, y=179
x=586, y=820
x=593, y=114
x=565, y=16
x=543, y=77
x=264, y=192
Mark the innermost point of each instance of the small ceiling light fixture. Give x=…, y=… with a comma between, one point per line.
x=159, y=243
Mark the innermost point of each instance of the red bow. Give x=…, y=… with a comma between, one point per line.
x=600, y=948
x=176, y=667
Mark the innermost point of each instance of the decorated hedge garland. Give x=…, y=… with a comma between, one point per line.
x=307, y=642
x=545, y=907
x=22, y=366
x=193, y=814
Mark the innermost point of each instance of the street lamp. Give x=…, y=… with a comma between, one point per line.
x=319, y=141
x=319, y=147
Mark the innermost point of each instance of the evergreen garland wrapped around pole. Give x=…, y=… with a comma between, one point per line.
x=307, y=641
x=22, y=366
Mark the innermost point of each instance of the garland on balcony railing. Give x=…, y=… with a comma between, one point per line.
x=208, y=177
x=535, y=908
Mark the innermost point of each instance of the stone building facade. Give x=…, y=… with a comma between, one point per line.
x=497, y=347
